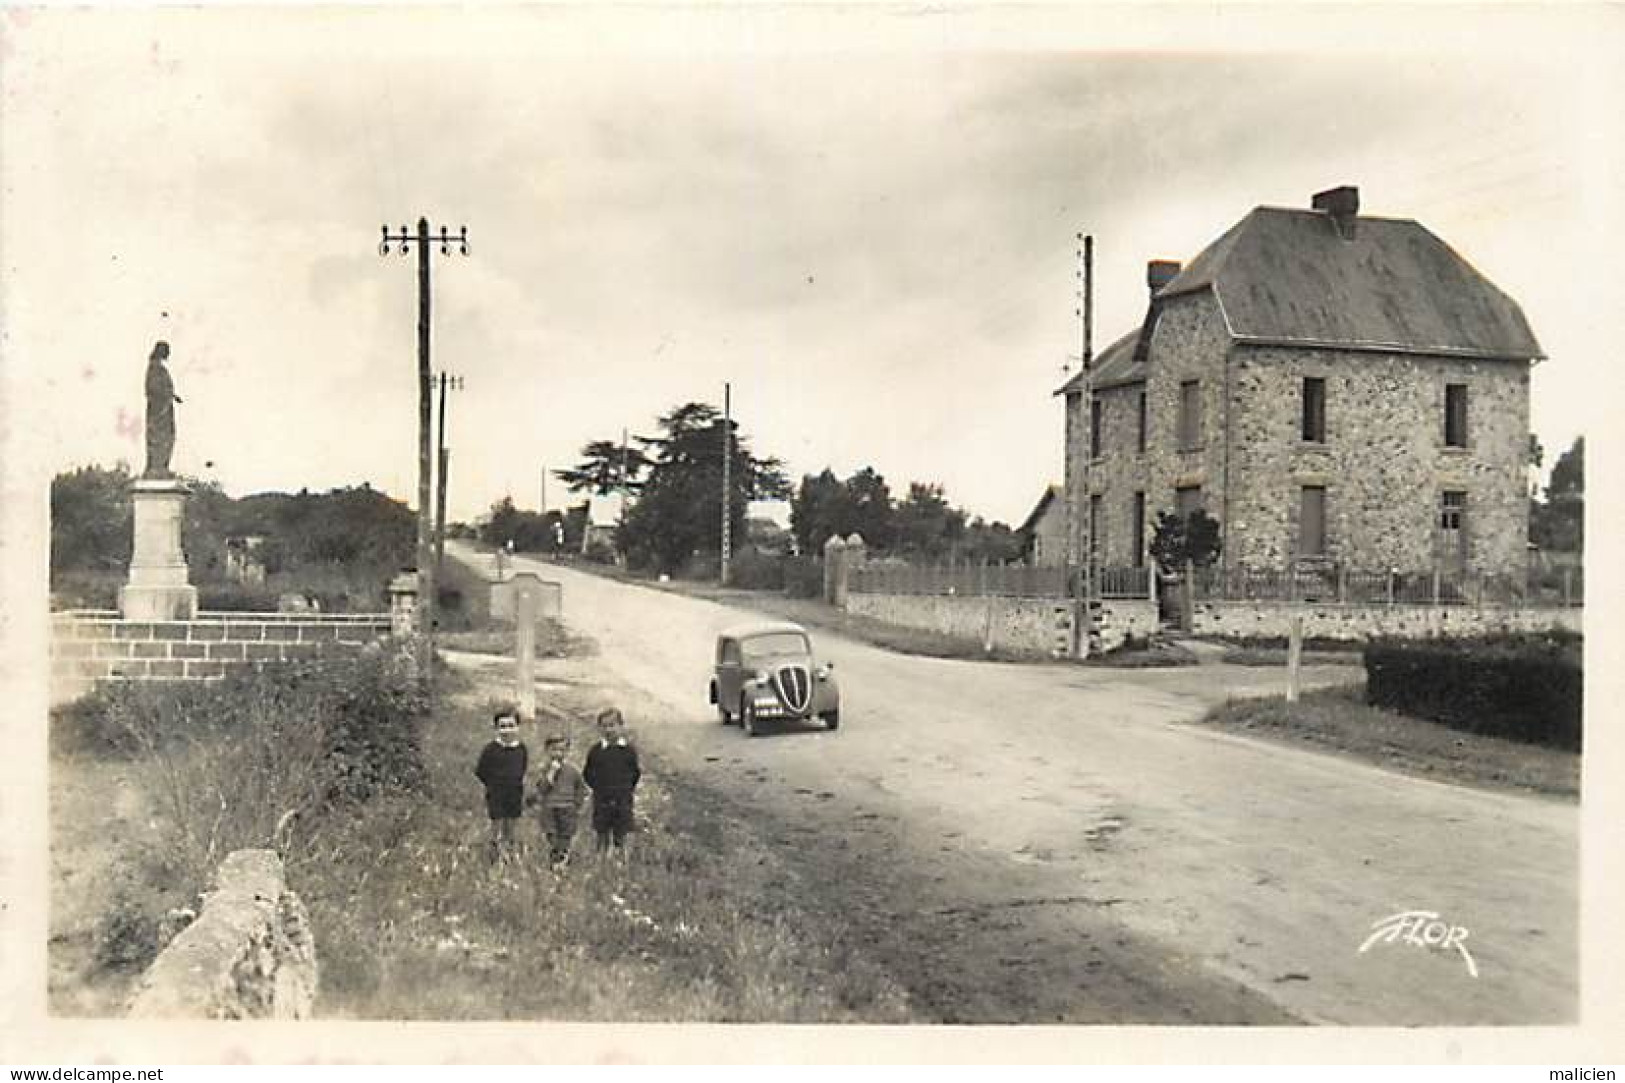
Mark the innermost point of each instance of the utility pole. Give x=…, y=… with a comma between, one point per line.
x=455, y=383
x=1084, y=583
x=425, y=549
x=625, y=464
x=727, y=455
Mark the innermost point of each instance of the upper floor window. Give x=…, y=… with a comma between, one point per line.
x=1190, y=415
x=1455, y=415
x=1096, y=414
x=1140, y=407
x=1314, y=410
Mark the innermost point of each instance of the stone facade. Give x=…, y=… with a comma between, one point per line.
x=1384, y=465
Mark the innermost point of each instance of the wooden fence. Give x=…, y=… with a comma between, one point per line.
x=1002, y=580
x=1563, y=588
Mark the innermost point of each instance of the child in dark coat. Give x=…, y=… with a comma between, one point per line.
x=612, y=771
x=559, y=793
x=501, y=768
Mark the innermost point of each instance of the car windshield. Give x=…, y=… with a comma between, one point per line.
x=776, y=644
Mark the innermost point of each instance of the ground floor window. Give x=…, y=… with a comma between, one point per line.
x=1312, y=521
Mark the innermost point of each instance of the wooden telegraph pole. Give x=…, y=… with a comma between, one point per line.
x=455, y=383
x=1083, y=529
x=727, y=456
x=425, y=549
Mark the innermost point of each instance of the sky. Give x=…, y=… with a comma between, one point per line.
x=862, y=219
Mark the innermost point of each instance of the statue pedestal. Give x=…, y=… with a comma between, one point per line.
x=158, y=589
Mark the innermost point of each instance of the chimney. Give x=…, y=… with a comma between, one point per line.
x=1342, y=205
x=1160, y=272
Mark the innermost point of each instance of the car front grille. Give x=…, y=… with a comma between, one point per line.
x=795, y=687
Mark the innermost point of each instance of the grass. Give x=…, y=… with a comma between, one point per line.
x=553, y=640
x=1338, y=719
x=414, y=921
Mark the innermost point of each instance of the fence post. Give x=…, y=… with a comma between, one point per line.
x=1294, y=655
x=1568, y=587
x=1391, y=586
x=1188, y=618
x=1438, y=583
x=1342, y=583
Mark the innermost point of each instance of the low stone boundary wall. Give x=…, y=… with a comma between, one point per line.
x=1330, y=620
x=89, y=646
x=1118, y=618
x=1019, y=625
x=249, y=954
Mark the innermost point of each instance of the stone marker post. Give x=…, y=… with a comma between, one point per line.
x=527, y=600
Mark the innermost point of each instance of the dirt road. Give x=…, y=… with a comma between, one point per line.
x=1042, y=843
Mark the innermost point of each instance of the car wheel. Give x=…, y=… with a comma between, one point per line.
x=832, y=720
x=747, y=719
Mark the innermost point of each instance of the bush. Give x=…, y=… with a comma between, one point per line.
x=248, y=760
x=803, y=577
x=1525, y=688
x=751, y=570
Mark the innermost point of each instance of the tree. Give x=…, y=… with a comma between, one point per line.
x=991, y=542
x=870, y=507
x=927, y=527
x=679, y=509
x=1559, y=522
x=91, y=519
x=817, y=511
x=1178, y=540
x=606, y=467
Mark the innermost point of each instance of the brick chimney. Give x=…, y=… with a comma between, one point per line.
x=1160, y=272
x=1342, y=206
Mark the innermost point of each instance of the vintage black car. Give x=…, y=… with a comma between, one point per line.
x=767, y=671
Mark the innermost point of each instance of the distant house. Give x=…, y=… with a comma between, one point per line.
x=244, y=561
x=1043, y=532
x=1336, y=390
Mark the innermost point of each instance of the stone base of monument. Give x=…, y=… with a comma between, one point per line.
x=158, y=587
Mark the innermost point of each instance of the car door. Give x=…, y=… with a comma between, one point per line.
x=728, y=674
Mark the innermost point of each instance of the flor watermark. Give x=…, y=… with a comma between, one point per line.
x=1422, y=929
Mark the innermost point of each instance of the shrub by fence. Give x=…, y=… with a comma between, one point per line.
x=1525, y=688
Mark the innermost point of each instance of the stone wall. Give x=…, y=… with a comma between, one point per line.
x=249, y=954
x=1030, y=626
x=1037, y=626
x=88, y=646
x=1115, y=619
x=1273, y=620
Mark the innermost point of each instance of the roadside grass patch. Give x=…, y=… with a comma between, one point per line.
x=413, y=920
x=153, y=785
x=553, y=640
x=1338, y=719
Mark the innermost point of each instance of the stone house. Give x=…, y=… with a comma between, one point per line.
x=1043, y=532
x=1338, y=391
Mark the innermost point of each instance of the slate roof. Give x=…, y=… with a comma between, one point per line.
x=1113, y=367
x=1052, y=493
x=1285, y=277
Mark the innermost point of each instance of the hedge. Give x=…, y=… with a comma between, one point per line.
x=1523, y=688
